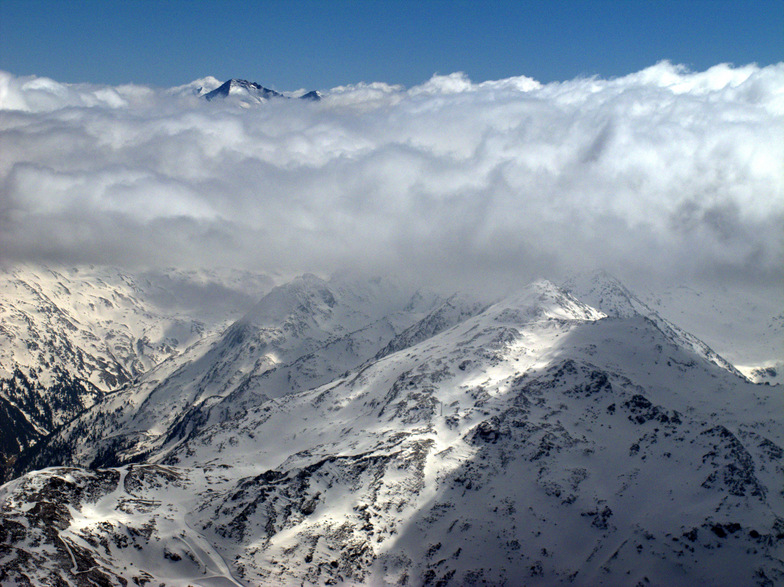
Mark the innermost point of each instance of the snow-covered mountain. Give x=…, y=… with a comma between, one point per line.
x=244, y=89
x=300, y=335
x=746, y=325
x=350, y=433
x=69, y=335
x=605, y=292
x=252, y=93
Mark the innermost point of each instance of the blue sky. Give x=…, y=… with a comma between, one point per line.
x=319, y=44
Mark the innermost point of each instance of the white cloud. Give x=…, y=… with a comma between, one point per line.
x=663, y=172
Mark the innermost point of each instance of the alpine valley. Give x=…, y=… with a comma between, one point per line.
x=228, y=428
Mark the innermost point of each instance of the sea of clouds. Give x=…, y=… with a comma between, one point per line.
x=665, y=173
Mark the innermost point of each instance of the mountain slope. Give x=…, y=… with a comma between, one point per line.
x=300, y=335
x=605, y=292
x=70, y=335
x=745, y=325
x=538, y=440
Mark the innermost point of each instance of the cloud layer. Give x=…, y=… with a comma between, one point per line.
x=663, y=172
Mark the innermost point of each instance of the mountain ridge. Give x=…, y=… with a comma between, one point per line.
x=536, y=437
x=70, y=335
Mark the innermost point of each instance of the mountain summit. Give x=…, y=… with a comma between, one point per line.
x=243, y=88
x=252, y=91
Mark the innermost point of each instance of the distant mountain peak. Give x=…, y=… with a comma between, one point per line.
x=313, y=96
x=244, y=88
x=256, y=92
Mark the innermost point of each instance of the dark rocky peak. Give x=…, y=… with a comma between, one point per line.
x=245, y=88
x=241, y=86
x=313, y=96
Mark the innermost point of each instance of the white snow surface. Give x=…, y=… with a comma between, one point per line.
x=104, y=326
x=744, y=324
x=382, y=439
